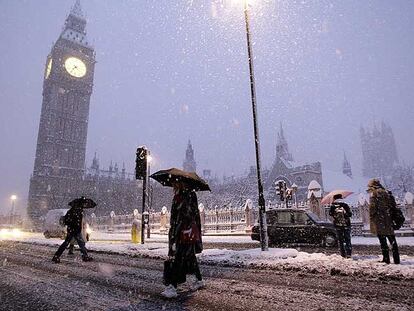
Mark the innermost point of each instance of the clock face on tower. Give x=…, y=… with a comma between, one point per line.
x=75, y=67
x=48, y=68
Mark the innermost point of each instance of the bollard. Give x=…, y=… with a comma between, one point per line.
x=136, y=231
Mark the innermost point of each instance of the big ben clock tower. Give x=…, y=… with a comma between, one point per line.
x=61, y=142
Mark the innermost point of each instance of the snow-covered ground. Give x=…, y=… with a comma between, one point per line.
x=276, y=258
x=241, y=239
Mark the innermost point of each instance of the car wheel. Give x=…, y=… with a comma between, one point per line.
x=329, y=240
x=46, y=234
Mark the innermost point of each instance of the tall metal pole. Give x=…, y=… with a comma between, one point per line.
x=12, y=212
x=149, y=198
x=144, y=194
x=264, y=240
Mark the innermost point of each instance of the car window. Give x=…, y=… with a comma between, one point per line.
x=300, y=218
x=284, y=218
x=314, y=217
x=271, y=219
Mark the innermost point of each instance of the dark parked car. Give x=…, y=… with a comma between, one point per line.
x=295, y=226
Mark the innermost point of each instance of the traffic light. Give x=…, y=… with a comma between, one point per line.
x=289, y=194
x=280, y=189
x=141, y=163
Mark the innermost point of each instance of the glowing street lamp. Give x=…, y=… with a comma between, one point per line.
x=264, y=239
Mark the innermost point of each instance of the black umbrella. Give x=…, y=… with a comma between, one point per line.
x=190, y=179
x=82, y=202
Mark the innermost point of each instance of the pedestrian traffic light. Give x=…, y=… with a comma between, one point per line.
x=141, y=163
x=146, y=218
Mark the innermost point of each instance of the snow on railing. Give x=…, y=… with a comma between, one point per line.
x=230, y=218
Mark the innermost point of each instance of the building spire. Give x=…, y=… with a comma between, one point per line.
x=346, y=167
x=282, y=148
x=77, y=10
x=75, y=25
x=189, y=163
x=95, y=163
x=282, y=135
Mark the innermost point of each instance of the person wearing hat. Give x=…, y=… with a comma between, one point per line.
x=381, y=221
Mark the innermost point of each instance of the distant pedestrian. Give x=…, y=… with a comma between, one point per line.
x=341, y=214
x=184, y=240
x=381, y=223
x=73, y=220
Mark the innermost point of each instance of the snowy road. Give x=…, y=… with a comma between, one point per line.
x=29, y=281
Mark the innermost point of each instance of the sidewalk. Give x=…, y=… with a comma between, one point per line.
x=236, y=239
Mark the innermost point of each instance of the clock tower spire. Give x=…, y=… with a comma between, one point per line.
x=61, y=142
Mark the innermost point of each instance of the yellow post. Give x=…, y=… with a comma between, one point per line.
x=135, y=232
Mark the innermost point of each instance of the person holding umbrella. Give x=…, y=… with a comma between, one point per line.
x=73, y=221
x=184, y=237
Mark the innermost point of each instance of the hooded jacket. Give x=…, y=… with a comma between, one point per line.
x=380, y=212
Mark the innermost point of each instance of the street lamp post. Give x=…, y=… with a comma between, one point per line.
x=149, y=195
x=264, y=240
x=141, y=173
x=13, y=198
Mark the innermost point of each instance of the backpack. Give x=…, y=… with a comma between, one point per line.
x=397, y=215
x=339, y=216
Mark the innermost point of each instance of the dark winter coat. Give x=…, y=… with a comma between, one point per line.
x=380, y=212
x=341, y=219
x=73, y=219
x=184, y=211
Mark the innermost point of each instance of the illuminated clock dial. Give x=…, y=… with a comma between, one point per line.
x=75, y=67
x=49, y=68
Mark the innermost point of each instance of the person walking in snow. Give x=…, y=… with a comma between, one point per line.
x=184, y=240
x=85, y=236
x=73, y=221
x=341, y=214
x=380, y=208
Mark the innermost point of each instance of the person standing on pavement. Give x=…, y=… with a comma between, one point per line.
x=184, y=240
x=73, y=221
x=341, y=214
x=380, y=206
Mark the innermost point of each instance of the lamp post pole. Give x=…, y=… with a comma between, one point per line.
x=149, y=198
x=13, y=199
x=264, y=240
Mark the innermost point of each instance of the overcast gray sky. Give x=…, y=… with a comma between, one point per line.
x=169, y=71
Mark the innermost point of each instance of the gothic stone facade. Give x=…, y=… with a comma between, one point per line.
x=379, y=151
x=285, y=169
x=59, y=168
